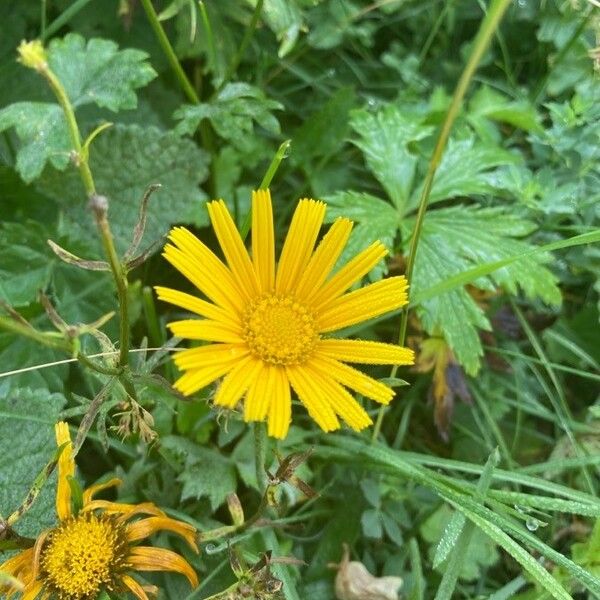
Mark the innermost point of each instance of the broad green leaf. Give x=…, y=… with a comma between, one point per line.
x=232, y=113
x=452, y=241
x=125, y=160
x=93, y=73
x=384, y=139
x=26, y=263
x=27, y=419
x=374, y=220
x=205, y=472
x=468, y=168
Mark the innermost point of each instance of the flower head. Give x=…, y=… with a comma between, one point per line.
x=95, y=549
x=268, y=324
x=32, y=55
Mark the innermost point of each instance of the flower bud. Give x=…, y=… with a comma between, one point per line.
x=33, y=55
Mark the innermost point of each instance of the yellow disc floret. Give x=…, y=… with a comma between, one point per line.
x=279, y=330
x=83, y=555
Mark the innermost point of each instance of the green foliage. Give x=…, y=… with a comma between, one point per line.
x=27, y=418
x=93, y=73
x=505, y=282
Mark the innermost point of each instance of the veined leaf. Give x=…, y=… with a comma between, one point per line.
x=467, y=169
x=232, y=113
x=27, y=420
x=455, y=239
x=93, y=73
x=125, y=160
x=384, y=138
x=374, y=219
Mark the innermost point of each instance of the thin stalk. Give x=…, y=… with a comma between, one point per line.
x=260, y=455
x=49, y=339
x=163, y=40
x=235, y=63
x=482, y=40
x=64, y=18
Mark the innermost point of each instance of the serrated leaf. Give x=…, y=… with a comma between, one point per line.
x=206, y=472
x=384, y=138
x=468, y=168
x=27, y=443
x=456, y=239
x=93, y=73
x=374, y=220
x=125, y=160
x=26, y=262
x=232, y=113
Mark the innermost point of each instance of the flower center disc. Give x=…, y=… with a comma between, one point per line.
x=82, y=555
x=279, y=330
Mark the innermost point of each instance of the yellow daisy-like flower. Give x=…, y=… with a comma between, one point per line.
x=97, y=548
x=268, y=324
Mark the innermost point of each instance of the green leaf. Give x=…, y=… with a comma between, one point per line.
x=93, y=73
x=125, y=160
x=26, y=262
x=27, y=443
x=206, y=472
x=384, y=138
x=98, y=72
x=468, y=168
x=232, y=113
x=284, y=19
x=452, y=241
x=491, y=104
x=374, y=220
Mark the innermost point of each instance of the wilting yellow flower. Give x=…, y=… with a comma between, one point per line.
x=96, y=548
x=269, y=323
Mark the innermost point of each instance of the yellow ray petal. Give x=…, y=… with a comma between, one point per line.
x=211, y=354
x=313, y=398
x=280, y=406
x=89, y=493
x=365, y=352
x=134, y=587
x=233, y=247
x=263, y=239
x=146, y=558
x=32, y=591
x=237, y=381
x=195, y=305
x=323, y=260
x=207, y=330
x=299, y=244
x=363, y=304
x=352, y=378
x=16, y=563
x=196, y=379
x=146, y=527
x=260, y=392
x=340, y=400
x=348, y=275
x=124, y=511
x=66, y=469
x=197, y=262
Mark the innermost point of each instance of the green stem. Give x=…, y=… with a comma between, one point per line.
x=163, y=40
x=260, y=454
x=49, y=339
x=64, y=18
x=482, y=40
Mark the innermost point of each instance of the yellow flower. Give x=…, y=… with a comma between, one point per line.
x=268, y=324
x=96, y=548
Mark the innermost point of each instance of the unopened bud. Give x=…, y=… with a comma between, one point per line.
x=33, y=55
